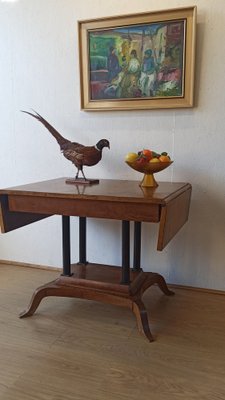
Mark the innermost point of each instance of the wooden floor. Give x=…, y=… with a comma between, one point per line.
x=74, y=349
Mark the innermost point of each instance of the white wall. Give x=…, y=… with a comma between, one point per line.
x=39, y=69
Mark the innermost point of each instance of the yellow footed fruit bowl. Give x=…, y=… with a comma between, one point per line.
x=148, y=163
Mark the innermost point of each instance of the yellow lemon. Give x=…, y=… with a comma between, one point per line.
x=130, y=157
x=154, y=160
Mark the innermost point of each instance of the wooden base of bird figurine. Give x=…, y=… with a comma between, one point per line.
x=82, y=181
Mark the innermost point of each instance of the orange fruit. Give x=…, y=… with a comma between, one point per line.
x=164, y=158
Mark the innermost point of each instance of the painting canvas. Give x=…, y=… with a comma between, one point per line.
x=143, y=61
x=137, y=65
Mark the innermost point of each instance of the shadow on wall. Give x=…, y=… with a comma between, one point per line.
x=198, y=253
x=200, y=29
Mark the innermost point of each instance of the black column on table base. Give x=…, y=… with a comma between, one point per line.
x=125, y=252
x=66, y=245
x=82, y=240
x=137, y=246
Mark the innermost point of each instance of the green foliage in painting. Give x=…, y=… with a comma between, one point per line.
x=98, y=62
x=100, y=45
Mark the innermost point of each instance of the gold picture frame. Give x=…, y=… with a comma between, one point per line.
x=138, y=61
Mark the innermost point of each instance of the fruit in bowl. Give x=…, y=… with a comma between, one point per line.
x=130, y=157
x=148, y=162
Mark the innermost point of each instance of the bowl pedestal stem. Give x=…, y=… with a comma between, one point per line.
x=148, y=181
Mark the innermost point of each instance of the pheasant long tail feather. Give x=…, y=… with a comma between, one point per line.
x=60, y=139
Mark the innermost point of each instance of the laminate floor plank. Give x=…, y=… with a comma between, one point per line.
x=85, y=350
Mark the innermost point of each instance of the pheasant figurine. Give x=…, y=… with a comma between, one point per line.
x=79, y=154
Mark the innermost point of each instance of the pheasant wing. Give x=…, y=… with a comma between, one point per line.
x=91, y=155
x=72, y=155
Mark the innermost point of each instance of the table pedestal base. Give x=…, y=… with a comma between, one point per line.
x=103, y=283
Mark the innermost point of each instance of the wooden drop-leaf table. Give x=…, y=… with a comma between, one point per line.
x=168, y=205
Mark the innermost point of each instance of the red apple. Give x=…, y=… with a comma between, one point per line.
x=142, y=160
x=147, y=153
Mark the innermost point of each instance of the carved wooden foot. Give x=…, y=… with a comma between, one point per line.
x=140, y=312
x=50, y=289
x=154, y=278
x=163, y=286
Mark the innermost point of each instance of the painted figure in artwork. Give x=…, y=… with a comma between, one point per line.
x=148, y=74
x=129, y=83
x=113, y=64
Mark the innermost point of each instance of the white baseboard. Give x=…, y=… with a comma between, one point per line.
x=171, y=285
x=28, y=265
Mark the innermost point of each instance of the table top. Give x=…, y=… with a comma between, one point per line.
x=106, y=189
x=167, y=204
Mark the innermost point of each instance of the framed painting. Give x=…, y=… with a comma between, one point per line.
x=138, y=61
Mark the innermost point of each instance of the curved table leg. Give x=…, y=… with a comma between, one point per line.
x=140, y=312
x=163, y=286
x=154, y=278
x=50, y=289
x=138, y=307
x=38, y=295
